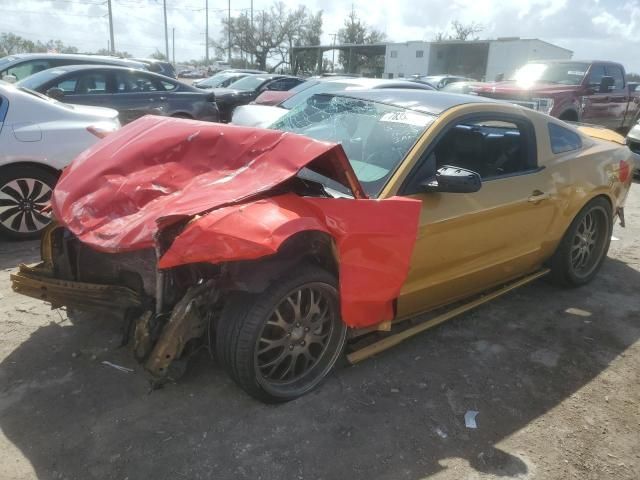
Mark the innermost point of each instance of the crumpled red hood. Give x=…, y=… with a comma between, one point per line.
x=157, y=169
x=118, y=194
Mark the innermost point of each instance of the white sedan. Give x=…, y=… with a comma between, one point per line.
x=38, y=138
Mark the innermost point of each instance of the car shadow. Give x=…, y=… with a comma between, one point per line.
x=398, y=415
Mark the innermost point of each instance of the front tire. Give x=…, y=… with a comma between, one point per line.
x=281, y=343
x=24, y=191
x=584, y=246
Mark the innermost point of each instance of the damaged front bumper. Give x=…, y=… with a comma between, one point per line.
x=72, y=276
x=38, y=282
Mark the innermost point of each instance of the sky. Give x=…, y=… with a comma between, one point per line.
x=602, y=29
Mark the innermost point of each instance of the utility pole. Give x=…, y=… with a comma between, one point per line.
x=251, y=30
x=206, y=31
x=112, y=47
x=166, y=31
x=173, y=45
x=333, y=52
x=229, y=32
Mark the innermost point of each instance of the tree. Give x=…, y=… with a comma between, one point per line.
x=158, y=55
x=11, y=44
x=271, y=36
x=633, y=77
x=460, y=32
x=355, y=31
x=123, y=54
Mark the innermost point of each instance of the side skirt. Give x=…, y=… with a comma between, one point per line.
x=394, y=339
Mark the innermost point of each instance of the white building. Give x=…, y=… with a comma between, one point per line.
x=479, y=59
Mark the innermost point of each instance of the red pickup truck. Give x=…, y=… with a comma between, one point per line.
x=579, y=91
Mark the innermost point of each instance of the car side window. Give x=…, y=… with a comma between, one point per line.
x=282, y=85
x=491, y=146
x=136, y=82
x=168, y=86
x=25, y=69
x=616, y=72
x=91, y=83
x=67, y=85
x=563, y=140
x=4, y=107
x=595, y=75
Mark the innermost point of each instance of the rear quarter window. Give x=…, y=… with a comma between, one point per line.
x=563, y=140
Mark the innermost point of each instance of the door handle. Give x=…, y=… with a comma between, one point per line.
x=537, y=196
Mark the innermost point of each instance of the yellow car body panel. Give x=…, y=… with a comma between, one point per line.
x=468, y=243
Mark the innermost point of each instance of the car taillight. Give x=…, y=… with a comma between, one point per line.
x=98, y=131
x=624, y=171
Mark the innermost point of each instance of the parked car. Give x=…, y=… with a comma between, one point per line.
x=633, y=141
x=242, y=70
x=219, y=80
x=464, y=87
x=158, y=66
x=133, y=93
x=191, y=74
x=355, y=212
x=265, y=115
x=579, y=91
x=440, y=81
x=248, y=88
x=14, y=68
x=38, y=138
x=273, y=97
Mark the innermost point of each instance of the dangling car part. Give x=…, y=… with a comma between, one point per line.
x=282, y=249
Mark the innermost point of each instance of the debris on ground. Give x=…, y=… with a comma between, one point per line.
x=470, y=419
x=117, y=367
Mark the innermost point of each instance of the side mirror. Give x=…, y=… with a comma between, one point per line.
x=10, y=78
x=453, y=180
x=606, y=84
x=633, y=86
x=55, y=93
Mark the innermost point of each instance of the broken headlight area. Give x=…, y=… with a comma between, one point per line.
x=164, y=313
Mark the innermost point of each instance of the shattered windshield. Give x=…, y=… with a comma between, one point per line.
x=376, y=137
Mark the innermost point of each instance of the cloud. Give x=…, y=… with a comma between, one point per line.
x=603, y=28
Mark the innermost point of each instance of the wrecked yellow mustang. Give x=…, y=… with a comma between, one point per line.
x=283, y=248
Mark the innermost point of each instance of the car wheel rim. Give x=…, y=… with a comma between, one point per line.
x=296, y=342
x=588, y=243
x=21, y=203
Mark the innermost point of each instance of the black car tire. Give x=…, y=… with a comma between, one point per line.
x=24, y=189
x=584, y=246
x=259, y=337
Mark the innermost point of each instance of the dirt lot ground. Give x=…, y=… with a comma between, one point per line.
x=554, y=375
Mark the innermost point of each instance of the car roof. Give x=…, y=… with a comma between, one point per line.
x=364, y=82
x=93, y=66
x=427, y=101
x=72, y=56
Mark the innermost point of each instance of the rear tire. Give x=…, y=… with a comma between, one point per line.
x=584, y=246
x=24, y=190
x=280, y=344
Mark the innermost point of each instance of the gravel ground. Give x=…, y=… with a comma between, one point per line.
x=554, y=375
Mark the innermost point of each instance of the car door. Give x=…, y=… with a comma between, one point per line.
x=619, y=97
x=85, y=87
x=468, y=243
x=137, y=94
x=595, y=104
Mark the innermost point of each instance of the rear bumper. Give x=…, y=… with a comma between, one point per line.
x=38, y=282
